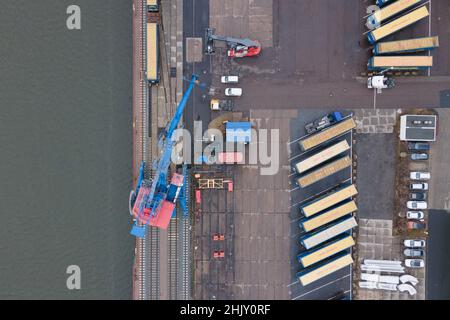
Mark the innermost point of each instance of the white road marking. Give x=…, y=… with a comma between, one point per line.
x=291, y=284
x=429, y=34
x=374, y=99
x=345, y=292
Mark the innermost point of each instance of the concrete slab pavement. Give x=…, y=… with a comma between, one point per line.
x=375, y=175
x=375, y=241
x=243, y=19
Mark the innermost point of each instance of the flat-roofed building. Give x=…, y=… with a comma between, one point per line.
x=418, y=128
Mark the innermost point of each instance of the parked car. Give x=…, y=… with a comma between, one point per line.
x=414, y=243
x=221, y=105
x=419, y=156
x=414, y=253
x=422, y=146
x=233, y=92
x=414, y=263
x=415, y=215
x=229, y=79
x=418, y=186
x=412, y=225
x=418, y=196
x=417, y=205
x=420, y=175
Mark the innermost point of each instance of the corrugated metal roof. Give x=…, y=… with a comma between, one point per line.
x=238, y=132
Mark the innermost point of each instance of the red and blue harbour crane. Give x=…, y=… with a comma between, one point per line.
x=153, y=202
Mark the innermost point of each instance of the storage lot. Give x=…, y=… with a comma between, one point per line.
x=308, y=73
x=255, y=219
x=383, y=209
x=339, y=281
x=375, y=241
x=320, y=52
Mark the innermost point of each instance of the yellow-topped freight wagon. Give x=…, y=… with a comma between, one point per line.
x=152, y=52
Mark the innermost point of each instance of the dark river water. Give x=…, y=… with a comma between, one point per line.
x=66, y=149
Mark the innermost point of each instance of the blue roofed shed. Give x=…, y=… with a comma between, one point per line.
x=239, y=132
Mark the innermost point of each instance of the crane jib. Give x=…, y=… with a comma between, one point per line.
x=177, y=116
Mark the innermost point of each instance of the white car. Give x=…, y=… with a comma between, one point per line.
x=418, y=186
x=414, y=205
x=420, y=175
x=414, y=263
x=414, y=243
x=233, y=92
x=415, y=215
x=229, y=79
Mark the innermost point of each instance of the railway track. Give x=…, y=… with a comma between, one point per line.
x=173, y=257
x=147, y=248
x=184, y=251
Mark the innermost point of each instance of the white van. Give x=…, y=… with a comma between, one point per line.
x=229, y=79
x=233, y=92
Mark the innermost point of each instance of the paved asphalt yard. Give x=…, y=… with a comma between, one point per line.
x=438, y=258
x=376, y=174
x=314, y=54
x=319, y=52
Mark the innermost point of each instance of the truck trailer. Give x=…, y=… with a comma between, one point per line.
x=389, y=11
x=324, y=172
x=322, y=156
x=406, y=46
x=397, y=25
x=400, y=63
x=325, y=135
